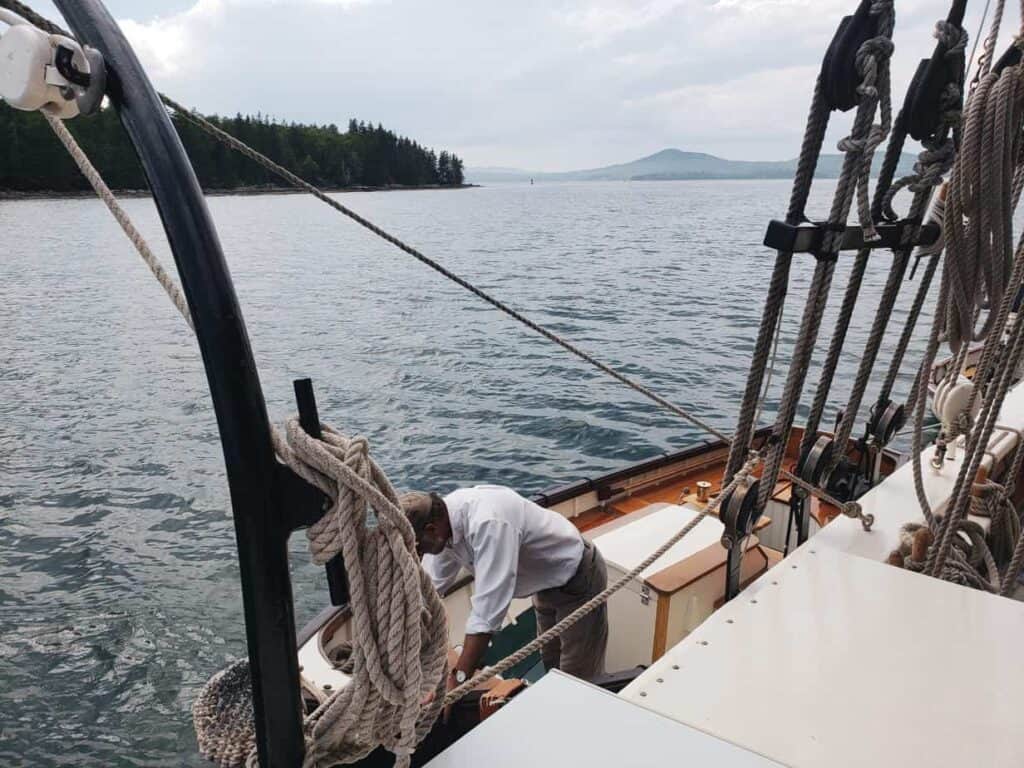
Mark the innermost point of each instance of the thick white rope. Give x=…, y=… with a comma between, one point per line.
x=399, y=625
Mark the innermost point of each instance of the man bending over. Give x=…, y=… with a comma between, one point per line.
x=513, y=548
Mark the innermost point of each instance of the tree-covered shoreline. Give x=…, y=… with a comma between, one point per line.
x=32, y=160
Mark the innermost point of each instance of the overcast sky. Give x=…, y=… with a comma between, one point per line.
x=553, y=85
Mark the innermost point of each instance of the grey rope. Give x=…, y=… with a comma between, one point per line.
x=873, y=65
x=34, y=18
x=1013, y=570
x=990, y=352
x=300, y=183
x=932, y=253
x=810, y=150
x=770, y=367
x=975, y=449
x=977, y=232
x=874, y=342
x=931, y=165
x=962, y=568
x=979, y=225
x=933, y=162
x=835, y=349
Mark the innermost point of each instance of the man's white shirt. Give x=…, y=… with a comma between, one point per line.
x=513, y=548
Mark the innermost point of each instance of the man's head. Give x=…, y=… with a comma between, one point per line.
x=428, y=516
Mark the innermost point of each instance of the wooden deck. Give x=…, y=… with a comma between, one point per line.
x=679, y=485
x=684, y=488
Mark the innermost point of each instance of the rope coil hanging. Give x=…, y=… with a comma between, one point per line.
x=982, y=274
x=399, y=625
x=398, y=652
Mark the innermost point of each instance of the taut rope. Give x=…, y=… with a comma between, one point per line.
x=872, y=63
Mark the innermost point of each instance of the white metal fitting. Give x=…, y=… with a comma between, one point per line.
x=39, y=71
x=951, y=400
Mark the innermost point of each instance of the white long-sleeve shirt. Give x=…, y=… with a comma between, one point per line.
x=513, y=548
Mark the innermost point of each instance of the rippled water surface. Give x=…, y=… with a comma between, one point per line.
x=119, y=586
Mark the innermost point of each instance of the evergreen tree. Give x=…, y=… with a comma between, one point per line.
x=32, y=159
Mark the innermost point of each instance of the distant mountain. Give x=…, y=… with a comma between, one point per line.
x=675, y=164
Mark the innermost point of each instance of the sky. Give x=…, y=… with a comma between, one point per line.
x=545, y=86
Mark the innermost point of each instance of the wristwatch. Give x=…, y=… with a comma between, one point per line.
x=460, y=676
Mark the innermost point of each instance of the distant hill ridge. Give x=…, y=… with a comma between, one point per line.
x=675, y=164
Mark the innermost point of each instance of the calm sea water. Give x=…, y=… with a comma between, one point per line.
x=119, y=589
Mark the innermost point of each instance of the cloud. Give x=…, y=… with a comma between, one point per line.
x=172, y=44
x=166, y=45
x=539, y=84
x=602, y=21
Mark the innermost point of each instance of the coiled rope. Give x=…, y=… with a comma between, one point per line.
x=981, y=274
x=978, y=228
x=399, y=625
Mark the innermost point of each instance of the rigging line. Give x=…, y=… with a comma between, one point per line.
x=810, y=150
x=977, y=39
x=34, y=18
x=300, y=183
x=932, y=253
x=771, y=364
x=103, y=192
x=858, y=149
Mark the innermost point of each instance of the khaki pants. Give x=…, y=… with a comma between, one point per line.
x=580, y=650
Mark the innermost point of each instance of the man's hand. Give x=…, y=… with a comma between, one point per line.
x=450, y=684
x=473, y=649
